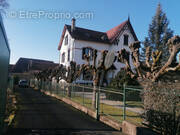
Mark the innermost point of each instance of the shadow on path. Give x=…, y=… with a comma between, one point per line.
x=39, y=114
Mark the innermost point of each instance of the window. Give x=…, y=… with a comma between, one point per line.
x=87, y=51
x=126, y=39
x=63, y=58
x=66, y=40
x=68, y=58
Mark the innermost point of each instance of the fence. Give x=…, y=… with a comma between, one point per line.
x=123, y=104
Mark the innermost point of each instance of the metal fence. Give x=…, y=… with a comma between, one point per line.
x=118, y=104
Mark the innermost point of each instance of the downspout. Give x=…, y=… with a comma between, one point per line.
x=73, y=50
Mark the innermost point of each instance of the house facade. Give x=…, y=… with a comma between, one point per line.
x=76, y=41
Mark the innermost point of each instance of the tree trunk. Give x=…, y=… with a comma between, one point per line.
x=94, y=96
x=68, y=90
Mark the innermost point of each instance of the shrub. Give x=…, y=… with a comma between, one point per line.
x=130, y=96
x=120, y=79
x=162, y=108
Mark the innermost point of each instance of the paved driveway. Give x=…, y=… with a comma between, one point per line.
x=39, y=114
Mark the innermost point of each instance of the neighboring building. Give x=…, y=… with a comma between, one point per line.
x=32, y=65
x=4, y=62
x=76, y=41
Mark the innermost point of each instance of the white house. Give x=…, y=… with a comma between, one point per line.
x=76, y=41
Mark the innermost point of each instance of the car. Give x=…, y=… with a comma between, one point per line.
x=23, y=84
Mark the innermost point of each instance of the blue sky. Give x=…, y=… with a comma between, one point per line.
x=39, y=37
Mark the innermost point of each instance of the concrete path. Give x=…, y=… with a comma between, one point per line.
x=39, y=114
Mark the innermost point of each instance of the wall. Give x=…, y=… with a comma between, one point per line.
x=64, y=48
x=4, y=62
x=79, y=44
x=121, y=46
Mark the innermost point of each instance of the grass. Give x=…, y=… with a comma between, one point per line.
x=109, y=110
x=138, y=104
x=113, y=112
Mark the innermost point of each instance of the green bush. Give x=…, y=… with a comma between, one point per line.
x=123, y=78
x=117, y=83
x=162, y=108
x=130, y=96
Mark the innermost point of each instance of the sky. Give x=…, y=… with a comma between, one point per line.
x=34, y=27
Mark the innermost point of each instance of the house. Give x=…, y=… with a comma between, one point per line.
x=76, y=41
x=32, y=65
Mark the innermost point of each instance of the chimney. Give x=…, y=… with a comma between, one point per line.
x=73, y=24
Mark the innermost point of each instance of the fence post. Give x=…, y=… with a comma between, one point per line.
x=57, y=88
x=83, y=94
x=124, y=102
x=97, y=104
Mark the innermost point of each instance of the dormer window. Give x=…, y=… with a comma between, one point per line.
x=126, y=37
x=66, y=40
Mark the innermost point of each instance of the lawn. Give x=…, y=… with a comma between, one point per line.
x=111, y=111
x=108, y=110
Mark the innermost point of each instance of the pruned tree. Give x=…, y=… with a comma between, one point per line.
x=59, y=73
x=151, y=69
x=98, y=70
x=158, y=35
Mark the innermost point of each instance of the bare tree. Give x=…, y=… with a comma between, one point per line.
x=151, y=69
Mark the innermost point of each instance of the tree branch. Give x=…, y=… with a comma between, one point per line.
x=135, y=56
x=174, y=48
x=148, y=57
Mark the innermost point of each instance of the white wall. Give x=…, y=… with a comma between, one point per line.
x=122, y=46
x=79, y=44
x=64, y=48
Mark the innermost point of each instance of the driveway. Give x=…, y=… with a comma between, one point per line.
x=39, y=114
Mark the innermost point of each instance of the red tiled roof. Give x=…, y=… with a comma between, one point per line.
x=104, y=37
x=114, y=32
